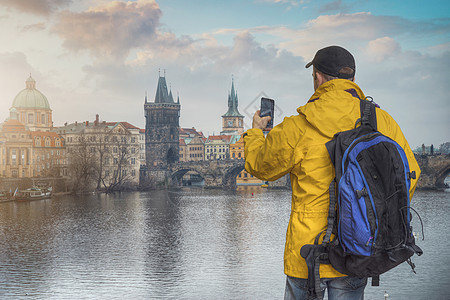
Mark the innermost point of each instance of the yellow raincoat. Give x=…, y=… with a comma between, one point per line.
x=297, y=146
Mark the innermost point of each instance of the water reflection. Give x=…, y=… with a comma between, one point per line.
x=180, y=244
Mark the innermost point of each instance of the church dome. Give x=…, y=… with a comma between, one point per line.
x=30, y=97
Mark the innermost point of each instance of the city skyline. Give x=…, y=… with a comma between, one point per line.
x=102, y=57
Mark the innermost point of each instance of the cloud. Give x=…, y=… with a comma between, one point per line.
x=38, y=7
x=110, y=30
x=380, y=49
x=200, y=70
x=34, y=27
x=333, y=6
x=13, y=65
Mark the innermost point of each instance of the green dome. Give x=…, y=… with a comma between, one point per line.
x=30, y=97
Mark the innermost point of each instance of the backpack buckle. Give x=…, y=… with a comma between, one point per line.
x=361, y=193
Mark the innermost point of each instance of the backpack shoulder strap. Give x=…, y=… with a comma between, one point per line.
x=368, y=112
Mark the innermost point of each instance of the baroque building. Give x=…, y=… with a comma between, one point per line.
x=162, y=145
x=232, y=120
x=28, y=147
x=31, y=108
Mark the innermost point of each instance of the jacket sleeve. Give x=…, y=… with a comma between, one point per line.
x=268, y=158
x=390, y=128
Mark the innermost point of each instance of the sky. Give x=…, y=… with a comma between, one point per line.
x=102, y=57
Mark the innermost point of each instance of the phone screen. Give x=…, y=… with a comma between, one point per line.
x=267, y=109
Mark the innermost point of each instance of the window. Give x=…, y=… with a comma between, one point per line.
x=43, y=119
x=133, y=161
x=133, y=173
x=13, y=157
x=133, y=140
x=47, y=142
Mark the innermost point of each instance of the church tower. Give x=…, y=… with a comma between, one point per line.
x=161, y=128
x=232, y=120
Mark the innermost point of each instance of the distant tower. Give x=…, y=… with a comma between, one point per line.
x=161, y=128
x=232, y=120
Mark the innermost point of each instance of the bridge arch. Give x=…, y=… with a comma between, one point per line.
x=441, y=175
x=229, y=178
x=177, y=175
x=215, y=173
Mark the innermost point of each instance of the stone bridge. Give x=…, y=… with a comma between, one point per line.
x=435, y=168
x=216, y=173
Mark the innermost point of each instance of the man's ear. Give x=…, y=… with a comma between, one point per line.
x=320, y=79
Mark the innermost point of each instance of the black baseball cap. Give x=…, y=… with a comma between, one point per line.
x=330, y=60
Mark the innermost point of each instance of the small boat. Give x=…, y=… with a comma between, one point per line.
x=5, y=196
x=265, y=184
x=34, y=193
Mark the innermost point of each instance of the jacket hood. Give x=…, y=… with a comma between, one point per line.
x=333, y=107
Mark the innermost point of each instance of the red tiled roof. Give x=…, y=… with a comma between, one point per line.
x=224, y=137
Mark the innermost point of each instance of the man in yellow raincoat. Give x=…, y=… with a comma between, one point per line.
x=297, y=146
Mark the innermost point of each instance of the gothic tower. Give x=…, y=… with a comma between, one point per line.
x=232, y=120
x=161, y=128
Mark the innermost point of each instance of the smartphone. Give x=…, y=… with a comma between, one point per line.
x=267, y=109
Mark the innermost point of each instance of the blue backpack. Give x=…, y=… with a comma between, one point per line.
x=369, y=206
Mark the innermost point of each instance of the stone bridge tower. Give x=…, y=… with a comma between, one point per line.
x=161, y=128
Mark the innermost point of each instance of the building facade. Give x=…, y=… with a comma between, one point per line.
x=217, y=147
x=106, y=155
x=161, y=128
x=49, y=154
x=192, y=145
x=16, y=150
x=237, y=152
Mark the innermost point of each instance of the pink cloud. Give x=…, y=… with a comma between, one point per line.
x=39, y=7
x=382, y=48
x=110, y=30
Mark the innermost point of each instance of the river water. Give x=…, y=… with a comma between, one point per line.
x=183, y=244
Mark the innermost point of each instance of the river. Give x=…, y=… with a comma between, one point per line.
x=191, y=243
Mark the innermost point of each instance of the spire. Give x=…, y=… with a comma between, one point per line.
x=162, y=94
x=232, y=102
x=178, y=98
x=170, y=96
x=145, y=97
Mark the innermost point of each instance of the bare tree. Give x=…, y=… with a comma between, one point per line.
x=82, y=164
x=118, y=174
